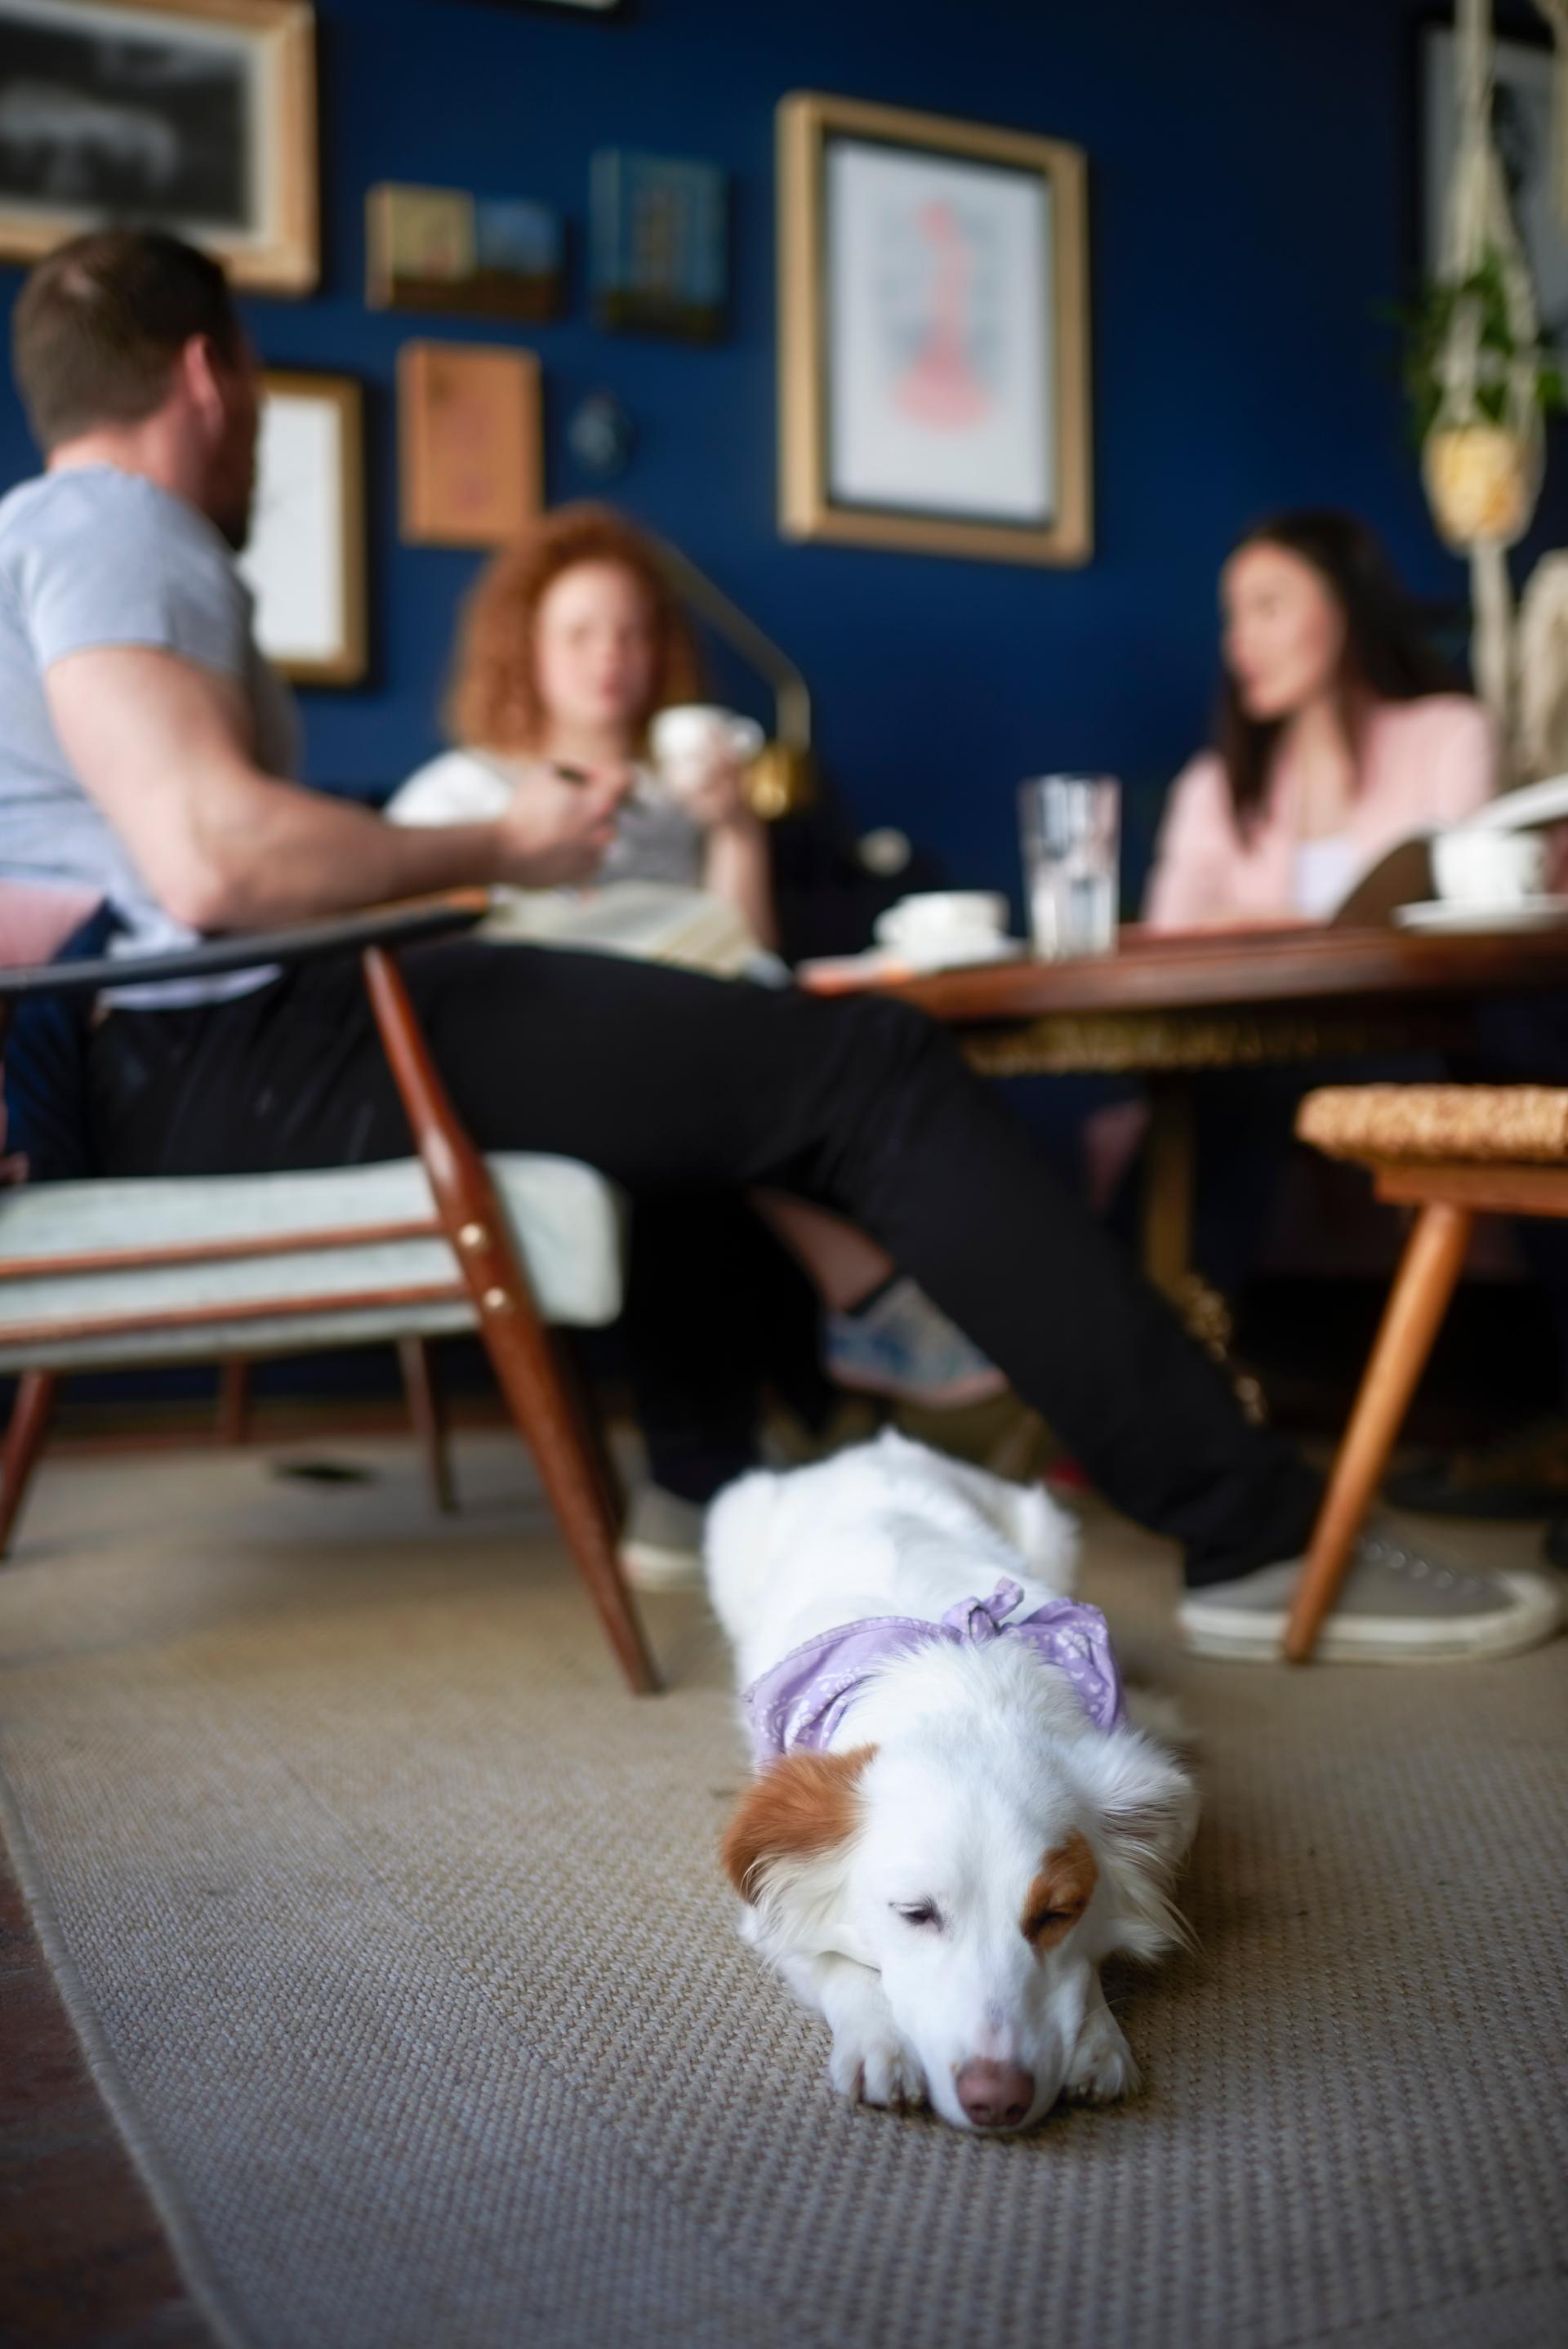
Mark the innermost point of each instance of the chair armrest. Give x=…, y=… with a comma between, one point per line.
x=403, y=924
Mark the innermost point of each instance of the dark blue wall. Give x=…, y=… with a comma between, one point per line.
x=1251, y=208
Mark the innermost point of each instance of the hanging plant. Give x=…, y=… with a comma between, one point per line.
x=1429, y=327
x=1479, y=426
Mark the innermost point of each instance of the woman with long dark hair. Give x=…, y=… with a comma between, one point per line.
x=1340, y=731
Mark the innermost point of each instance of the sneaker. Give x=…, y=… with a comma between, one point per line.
x=898, y=1344
x=661, y=1544
x=1523, y=1473
x=1395, y=1606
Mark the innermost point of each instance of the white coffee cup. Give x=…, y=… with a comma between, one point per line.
x=935, y=923
x=690, y=740
x=1476, y=865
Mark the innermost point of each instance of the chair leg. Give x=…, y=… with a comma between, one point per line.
x=1433, y=1260
x=25, y=1439
x=424, y=1412
x=523, y=1359
x=234, y=1402
x=515, y=1339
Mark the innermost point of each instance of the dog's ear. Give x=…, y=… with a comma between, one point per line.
x=1148, y=1807
x=803, y=1809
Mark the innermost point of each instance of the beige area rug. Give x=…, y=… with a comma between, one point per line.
x=394, y=1930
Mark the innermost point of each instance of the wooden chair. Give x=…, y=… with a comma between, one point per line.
x=1452, y=1153
x=101, y=1272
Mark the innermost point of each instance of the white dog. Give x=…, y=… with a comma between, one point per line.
x=952, y=1823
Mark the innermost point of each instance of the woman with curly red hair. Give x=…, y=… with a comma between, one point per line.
x=571, y=642
x=569, y=646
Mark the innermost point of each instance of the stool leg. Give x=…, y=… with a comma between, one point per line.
x=424, y=1411
x=234, y=1402
x=1433, y=1260
x=25, y=1439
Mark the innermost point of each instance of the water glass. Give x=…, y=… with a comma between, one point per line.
x=1071, y=828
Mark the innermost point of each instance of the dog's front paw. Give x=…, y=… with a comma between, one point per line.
x=876, y=2069
x=1102, y=2069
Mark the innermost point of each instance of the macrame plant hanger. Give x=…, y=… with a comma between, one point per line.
x=1483, y=452
x=1556, y=14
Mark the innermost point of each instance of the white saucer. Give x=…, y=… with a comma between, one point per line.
x=957, y=954
x=1443, y=916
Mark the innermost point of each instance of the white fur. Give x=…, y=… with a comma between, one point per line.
x=985, y=1760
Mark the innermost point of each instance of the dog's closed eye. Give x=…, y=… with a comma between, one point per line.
x=919, y=1913
x=1059, y=1893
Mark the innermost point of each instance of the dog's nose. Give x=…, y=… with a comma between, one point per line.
x=994, y=2095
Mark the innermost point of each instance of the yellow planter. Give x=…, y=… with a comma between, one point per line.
x=1480, y=482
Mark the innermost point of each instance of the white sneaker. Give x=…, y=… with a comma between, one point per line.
x=1394, y=1607
x=661, y=1545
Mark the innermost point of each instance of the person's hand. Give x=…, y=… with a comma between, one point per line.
x=712, y=792
x=558, y=824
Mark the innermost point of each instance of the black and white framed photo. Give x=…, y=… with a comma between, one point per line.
x=304, y=562
x=192, y=115
x=933, y=343
x=1524, y=128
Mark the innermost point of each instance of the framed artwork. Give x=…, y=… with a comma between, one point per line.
x=443, y=249
x=469, y=443
x=193, y=115
x=659, y=258
x=933, y=335
x=304, y=562
x=1524, y=128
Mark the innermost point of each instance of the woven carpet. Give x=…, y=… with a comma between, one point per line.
x=395, y=1936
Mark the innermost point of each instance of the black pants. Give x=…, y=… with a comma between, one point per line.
x=678, y=1086
x=1524, y=1040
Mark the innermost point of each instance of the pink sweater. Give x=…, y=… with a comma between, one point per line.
x=1424, y=764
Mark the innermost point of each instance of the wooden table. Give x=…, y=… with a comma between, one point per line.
x=1166, y=1007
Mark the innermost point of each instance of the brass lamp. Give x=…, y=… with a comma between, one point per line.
x=780, y=778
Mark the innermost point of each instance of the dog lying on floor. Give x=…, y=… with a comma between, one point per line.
x=952, y=1821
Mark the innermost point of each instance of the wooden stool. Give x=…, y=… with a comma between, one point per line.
x=1453, y=1152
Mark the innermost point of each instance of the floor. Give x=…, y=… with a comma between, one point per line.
x=83, y=2259
x=268, y=1643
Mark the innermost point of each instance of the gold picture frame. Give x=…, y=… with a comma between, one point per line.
x=470, y=442
x=306, y=561
x=112, y=145
x=933, y=343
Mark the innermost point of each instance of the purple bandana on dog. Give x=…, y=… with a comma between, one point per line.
x=797, y=1706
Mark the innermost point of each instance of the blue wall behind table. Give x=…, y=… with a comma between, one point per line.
x=1251, y=207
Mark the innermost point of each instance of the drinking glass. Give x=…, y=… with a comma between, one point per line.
x=1071, y=829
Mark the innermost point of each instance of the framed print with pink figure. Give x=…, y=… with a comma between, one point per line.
x=933, y=343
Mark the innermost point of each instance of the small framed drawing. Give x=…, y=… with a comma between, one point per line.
x=933, y=335
x=660, y=244
x=469, y=443
x=304, y=562
x=1524, y=127
x=195, y=115
x=443, y=249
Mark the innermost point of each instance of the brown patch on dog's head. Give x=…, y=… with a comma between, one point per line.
x=1059, y=1894
x=800, y=1808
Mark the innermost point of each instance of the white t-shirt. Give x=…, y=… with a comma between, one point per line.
x=654, y=840
x=1324, y=871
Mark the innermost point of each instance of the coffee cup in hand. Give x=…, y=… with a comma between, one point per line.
x=1477, y=865
x=692, y=740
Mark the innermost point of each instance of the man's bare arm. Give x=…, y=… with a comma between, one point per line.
x=163, y=747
